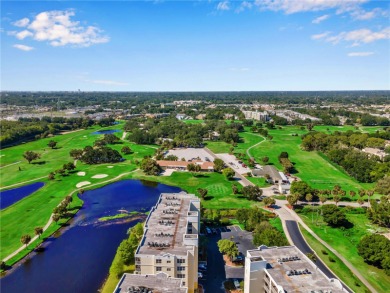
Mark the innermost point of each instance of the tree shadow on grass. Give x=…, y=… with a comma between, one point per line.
x=39, y=163
x=201, y=176
x=208, y=197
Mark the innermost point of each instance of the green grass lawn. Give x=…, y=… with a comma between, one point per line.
x=219, y=196
x=345, y=242
x=193, y=121
x=36, y=209
x=337, y=266
x=311, y=167
x=259, y=181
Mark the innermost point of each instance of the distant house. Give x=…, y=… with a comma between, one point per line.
x=182, y=165
x=268, y=171
x=375, y=152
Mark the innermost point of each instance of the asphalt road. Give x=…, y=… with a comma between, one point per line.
x=215, y=275
x=299, y=242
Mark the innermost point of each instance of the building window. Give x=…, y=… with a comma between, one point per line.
x=181, y=275
x=181, y=268
x=168, y=261
x=137, y=267
x=179, y=260
x=168, y=269
x=158, y=260
x=158, y=269
x=137, y=259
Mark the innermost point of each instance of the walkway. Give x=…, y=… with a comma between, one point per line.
x=288, y=216
x=255, y=145
x=51, y=220
x=21, y=183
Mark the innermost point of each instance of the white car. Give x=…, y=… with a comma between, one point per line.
x=236, y=284
x=200, y=275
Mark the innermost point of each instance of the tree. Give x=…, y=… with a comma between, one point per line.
x=76, y=154
x=283, y=155
x=111, y=138
x=38, y=231
x=228, y=247
x=301, y=188
x=25, y=239
x=69, y=166
x=374, y=248
x=51, y=176
x=56, y=217
x=52, y=144
x=323, y=199
x=309, y=197
x=265, y=160
x=234, y=188
x=269, y=201
x=61, y=172
x=31, y=156
x=336, y=199
x=126, y=150
x=252, y=192
x=202, y=192
x=191, y=167
x=292, y=199
x=219, y=164
x=265, y=234
x=228, y=173
x=362, y=192
x=360, y=201
x=383, y=186
x=150, y=167
x=310, y=126
x=352, y=193
x=333, y=215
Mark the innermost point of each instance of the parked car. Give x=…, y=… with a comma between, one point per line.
x=200, y=275
x=208, y=231
x=202, y=267
x=236, y=283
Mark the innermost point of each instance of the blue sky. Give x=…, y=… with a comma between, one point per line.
x=195, y=45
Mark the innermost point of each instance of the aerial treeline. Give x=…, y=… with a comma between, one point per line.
x=126, y=250
x=329, y=116
x=13, y=132
x=125, y=99
x=100, y=153
x=344, y=149
x=375, y=250
x=173, y=133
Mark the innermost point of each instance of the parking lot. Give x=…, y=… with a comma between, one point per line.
x=217, y=272
x=233, y=163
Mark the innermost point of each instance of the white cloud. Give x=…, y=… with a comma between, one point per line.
x=361, y=14
x=244, y=5
x=295, y=6
x=320, y=19
x=320, y=36
x=109, y=82
x=360, y=54
x=23, y=47
x=357, y=37
x=21, y=22
x=59, y=29
x=23, y=34
x=224, y=5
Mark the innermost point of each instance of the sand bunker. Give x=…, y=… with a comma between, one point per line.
x=81, y=173
x=99, y=176
x=110, y=167
x=83, y=183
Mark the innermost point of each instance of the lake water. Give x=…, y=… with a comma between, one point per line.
x=105, y=131
x=79, y=259
x=9, y=197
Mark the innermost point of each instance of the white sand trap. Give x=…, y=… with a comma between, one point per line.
x=81, y=173
x=83, y=183
x=99, y=176
x=110, y=167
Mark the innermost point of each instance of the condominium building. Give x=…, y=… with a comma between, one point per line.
x=159, y=283
x=283, y=270
x=170, y=240
x=255, y=115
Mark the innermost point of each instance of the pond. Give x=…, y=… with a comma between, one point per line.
x=77, y=259
x=11, y=196
x=109, y=131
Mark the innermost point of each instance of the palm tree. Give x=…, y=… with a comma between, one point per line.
x=352, y=193
x=362, y=192
x=55, y=217
x=25, y=239
x=360, y=201
x=38, y=231
x=323, y=199
x=336, y=198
